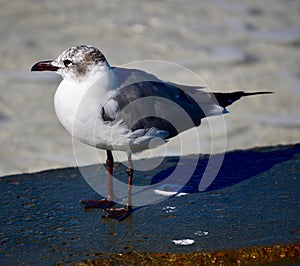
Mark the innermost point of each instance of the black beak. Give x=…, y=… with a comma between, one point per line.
x=43, y=66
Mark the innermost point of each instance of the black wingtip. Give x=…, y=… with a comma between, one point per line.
x=257, y=93
x=226, y=99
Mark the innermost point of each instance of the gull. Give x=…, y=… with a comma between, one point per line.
x=120, y=109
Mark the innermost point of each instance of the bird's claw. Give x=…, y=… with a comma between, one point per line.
x=118, y=214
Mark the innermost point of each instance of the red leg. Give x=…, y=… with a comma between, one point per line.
x=109, y=202
x=130, y=178
x=122, y=213
x=110, y=169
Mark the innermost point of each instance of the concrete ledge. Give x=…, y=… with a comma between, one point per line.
x=254, y=201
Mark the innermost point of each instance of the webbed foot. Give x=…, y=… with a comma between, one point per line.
x=118, y=214
x=99, y=204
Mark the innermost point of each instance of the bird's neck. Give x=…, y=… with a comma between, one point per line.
x=100, y=82
x=98, y=73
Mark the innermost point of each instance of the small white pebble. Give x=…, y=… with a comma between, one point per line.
x=201, y=233
x=183, y=242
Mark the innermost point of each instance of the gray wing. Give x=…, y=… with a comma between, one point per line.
x=145, y=103
x=149, y=104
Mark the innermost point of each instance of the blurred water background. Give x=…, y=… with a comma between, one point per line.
x=231, y=45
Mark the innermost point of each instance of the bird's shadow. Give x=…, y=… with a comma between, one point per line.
x=236, y=167
x=232, y=168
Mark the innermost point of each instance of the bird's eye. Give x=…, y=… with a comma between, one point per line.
x=67, y=62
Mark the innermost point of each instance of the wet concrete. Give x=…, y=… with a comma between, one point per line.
x=253, y=201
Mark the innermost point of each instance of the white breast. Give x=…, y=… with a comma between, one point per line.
x=78, y=104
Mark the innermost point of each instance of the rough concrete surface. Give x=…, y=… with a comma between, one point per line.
x=253, y=201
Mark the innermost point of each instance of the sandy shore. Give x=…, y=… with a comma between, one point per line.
x=231, y=45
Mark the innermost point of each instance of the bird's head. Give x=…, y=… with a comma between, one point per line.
x=77, y=62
